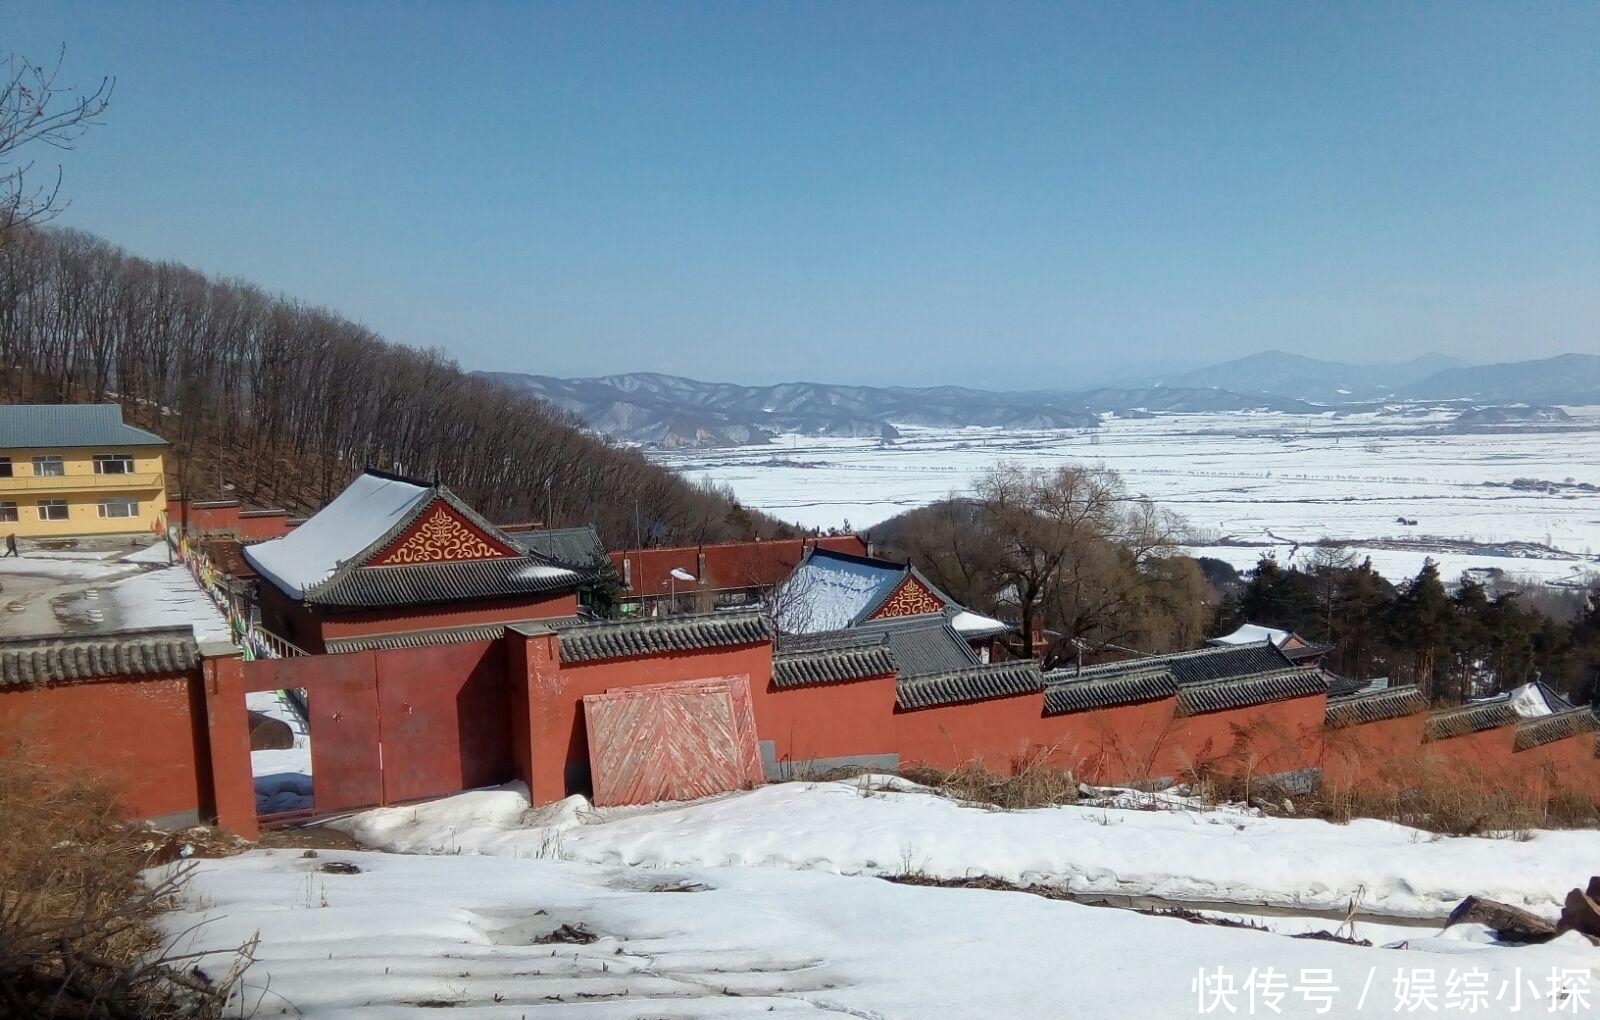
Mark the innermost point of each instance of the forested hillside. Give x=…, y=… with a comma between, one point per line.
x=267, y=399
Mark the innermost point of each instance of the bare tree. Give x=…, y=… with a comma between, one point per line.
x=37, y=108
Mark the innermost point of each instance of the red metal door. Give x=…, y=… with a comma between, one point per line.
x=446, y=720
x=346, y=758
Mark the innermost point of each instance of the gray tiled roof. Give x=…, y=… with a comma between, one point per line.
x=36, y=425
x=974, y=683
x=1458, y=722
x=1066, y=693
x=354, y=584
x=923, y=645
x=1340, y=686
x=615, y=639
x=1240, y=692
x=831, y=657
x=54, y=659
x=573, y=547
x=1374, y=706
x=1549, y=728
x=377, y=587
x=425, y=638
x=1200, y=665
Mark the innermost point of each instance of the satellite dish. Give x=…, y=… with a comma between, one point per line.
x=682, y=574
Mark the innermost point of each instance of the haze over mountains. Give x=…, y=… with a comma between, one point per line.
x=670, y=411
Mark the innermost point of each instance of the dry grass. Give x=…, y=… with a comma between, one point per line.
x=77, y=934
x=1030, y=782
x=1458, y=801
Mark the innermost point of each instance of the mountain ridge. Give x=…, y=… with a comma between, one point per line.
x=671, y=411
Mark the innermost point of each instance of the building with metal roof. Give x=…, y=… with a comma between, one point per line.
x=78, y=469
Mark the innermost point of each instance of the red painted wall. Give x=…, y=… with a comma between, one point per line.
x=1483, y=757
x=147, y=734
x=311, y=630
x=1115, y=745
x=998, y=733
x=1260, y=740
x=1566, y=766
x=556, y=743
x=726, y=564
x=1382, y=754
x=834, y=720
x=441, y=715
x=228, y=517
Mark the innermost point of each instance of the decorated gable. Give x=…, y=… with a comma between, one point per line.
x=911, y=598
x=440, y=535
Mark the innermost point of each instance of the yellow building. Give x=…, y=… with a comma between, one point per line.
x=76, y=469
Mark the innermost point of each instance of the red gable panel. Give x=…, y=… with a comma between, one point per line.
x=912, y=598
x=440, y=535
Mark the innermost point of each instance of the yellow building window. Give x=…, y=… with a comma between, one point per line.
x=49, y=466
x=8, y=513
x=5, y=467
x=113, y=464
x=119, y=508
x=52, y=509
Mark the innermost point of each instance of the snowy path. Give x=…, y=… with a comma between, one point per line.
x=1221, y=856
x=459, y=937
x=282, y=777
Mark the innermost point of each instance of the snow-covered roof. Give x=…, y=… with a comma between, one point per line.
x=364, y=512
x=831, y=591
x=1250, y=633
x=1536, y=699
x=973, y=626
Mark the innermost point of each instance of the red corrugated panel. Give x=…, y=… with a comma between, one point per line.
x=678, y=741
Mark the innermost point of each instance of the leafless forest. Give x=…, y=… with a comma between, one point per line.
x=279, y=403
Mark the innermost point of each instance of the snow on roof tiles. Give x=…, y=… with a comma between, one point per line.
x=360, y=515
x=1250, y=633
x=830, y=592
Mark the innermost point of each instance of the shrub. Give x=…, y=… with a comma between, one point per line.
x=77, y=933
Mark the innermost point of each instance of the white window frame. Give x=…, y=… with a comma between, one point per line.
x=130, y=505
x=123, y=461
x=41, y=463
x=47, y=509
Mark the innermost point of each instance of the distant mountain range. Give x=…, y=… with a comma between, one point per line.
x=671, y=412
x=1322, y=382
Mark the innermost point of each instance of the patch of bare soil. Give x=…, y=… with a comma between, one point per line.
x=308, y=837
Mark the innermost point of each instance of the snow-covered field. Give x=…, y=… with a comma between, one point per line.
x=1178, y=854
x=767, y=904
x=1246, y=482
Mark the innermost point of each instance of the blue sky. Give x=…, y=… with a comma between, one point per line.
x=1009, y=195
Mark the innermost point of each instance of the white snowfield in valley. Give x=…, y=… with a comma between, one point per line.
x=460, y=936
x=1186, y=856
x=1247, y=482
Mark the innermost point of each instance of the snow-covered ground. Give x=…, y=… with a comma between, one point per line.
x=1270, y=478
x=1176, y=854
x=163, y=597
x=79, y=592
x=282, y=777
x=459, y=936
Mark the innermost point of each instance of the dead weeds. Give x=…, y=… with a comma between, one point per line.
x=78, y=936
